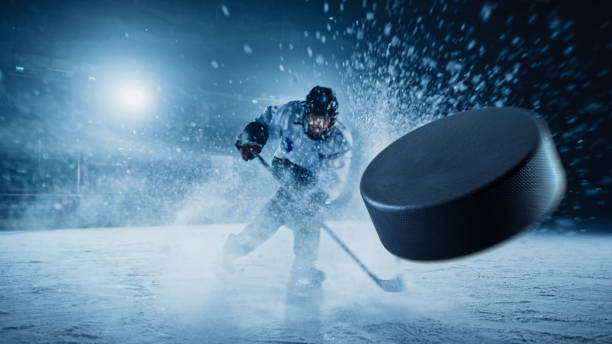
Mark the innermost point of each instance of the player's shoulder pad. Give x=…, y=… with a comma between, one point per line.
x=292, y=111
x=343, y=135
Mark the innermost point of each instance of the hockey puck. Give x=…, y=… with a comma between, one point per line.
x=463, y=183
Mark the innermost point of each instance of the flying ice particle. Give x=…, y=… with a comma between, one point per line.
x=486, y=11
x=369, y=15
x=309, y=51
x=481, y=50
x=214, y=64
x=388, y=27
x=320, y=59
x=454, y=67
x=554, y=23
x=532, y=18
x=593, y=191
x=247, y=49
x=225, y=10
x=459, y=87
x=325, y=7
x=601, y=74
x=282, y=68
x=430, y=63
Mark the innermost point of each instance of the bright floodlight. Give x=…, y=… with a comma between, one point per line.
x=133, y=97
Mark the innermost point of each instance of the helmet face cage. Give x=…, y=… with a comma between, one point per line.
x=322, y=102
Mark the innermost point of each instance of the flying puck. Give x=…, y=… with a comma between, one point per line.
x=463, y=183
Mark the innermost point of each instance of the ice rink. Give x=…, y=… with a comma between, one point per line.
x=158, y=285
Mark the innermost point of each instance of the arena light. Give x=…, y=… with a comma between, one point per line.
x=132, y=97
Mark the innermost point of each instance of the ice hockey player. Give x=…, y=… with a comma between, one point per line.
x=313, y=148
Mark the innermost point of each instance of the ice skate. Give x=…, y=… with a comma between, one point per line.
x=307, y=277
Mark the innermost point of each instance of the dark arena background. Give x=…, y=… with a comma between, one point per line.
x=120, y=181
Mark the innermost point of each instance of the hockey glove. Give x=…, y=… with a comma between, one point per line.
x=246, y=148
x=252, y=138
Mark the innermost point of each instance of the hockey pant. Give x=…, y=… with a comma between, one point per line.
x=280, y=210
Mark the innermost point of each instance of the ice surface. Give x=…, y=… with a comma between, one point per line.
x=136, y=285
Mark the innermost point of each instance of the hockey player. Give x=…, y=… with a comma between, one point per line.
x=313, y=147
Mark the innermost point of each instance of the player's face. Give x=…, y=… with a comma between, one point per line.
x=318, y=125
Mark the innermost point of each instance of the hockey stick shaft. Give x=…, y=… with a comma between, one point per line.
x=350, y=253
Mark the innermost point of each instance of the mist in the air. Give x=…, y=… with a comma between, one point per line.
x=120, y=181
x=141, y=130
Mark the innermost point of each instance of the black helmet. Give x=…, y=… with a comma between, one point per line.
x=322, y=101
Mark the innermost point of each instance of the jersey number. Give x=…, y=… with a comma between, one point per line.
x=287, y=145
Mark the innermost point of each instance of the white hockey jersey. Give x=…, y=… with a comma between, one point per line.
x=328, y=159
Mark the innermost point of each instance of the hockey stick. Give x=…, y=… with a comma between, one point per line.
x=393, y=285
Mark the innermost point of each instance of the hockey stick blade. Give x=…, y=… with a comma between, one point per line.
x=395, y=285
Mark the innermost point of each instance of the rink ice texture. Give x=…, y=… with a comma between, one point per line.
x=155, y=285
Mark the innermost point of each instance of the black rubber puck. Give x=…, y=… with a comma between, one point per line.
x=463, y=183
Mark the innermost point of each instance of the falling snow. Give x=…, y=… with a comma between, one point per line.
x=487, y=9
x=225, y=10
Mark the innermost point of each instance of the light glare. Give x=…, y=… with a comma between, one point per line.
x=133, y=97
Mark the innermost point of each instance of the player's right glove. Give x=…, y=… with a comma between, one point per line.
x=252, y=139
x=246, y=148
